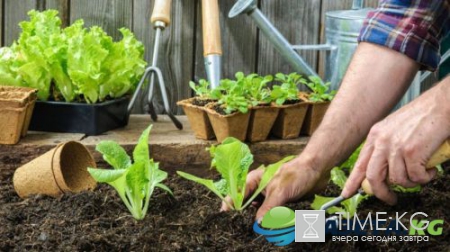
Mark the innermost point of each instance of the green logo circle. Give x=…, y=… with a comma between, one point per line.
x=278, y=217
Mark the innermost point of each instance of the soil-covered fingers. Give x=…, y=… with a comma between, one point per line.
x=252, y=182
x=397, y=171
x=376, y=174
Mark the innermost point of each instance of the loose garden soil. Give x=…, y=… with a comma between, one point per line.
x=190, y=221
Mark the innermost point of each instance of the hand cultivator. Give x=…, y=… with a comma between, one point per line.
x=160, y=19
x=440, y=156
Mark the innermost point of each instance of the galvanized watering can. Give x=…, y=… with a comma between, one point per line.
x=341, y=32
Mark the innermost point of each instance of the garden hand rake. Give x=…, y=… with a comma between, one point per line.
x=160, y=19
x=440, y=156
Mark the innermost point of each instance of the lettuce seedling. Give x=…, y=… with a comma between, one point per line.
x=201, y=89
x=320, y=92
x=287, y=89
x=255, y=87
x=134, y=182
x=232, y=159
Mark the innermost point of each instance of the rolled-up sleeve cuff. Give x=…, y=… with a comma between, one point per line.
x=405, y=36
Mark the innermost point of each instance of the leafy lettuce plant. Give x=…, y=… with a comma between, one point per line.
x=232, y=159
x=320, y=92
x=72, y=64
x=133, y=181
x=287, y=89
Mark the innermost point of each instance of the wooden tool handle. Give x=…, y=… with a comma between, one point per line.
x=211, y=28
x=161, y=11
x=441, y=155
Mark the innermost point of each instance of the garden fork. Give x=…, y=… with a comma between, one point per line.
x=160, y=19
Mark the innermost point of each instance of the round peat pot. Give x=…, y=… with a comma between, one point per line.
x=60, y=170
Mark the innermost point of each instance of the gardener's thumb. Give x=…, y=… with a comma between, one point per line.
x=270, y=202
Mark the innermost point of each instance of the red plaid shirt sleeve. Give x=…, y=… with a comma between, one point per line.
x=412, y=27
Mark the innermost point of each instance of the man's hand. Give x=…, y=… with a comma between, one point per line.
x=359, y=104
x=398, y=148
x=290, y=183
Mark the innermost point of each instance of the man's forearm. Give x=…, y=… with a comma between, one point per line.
x=375, y=81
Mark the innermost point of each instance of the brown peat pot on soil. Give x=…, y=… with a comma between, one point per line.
x=194, y=109
x=314, y=116
x=62, y=169
x=233, y=125
x=290, y=120
x=189, y=221
x=16, y=108
x=261, y=121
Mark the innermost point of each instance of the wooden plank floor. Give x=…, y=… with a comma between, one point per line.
x=174, y=149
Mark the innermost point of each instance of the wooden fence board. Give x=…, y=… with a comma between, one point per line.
x=239, y=39
x=63, y=6
x=108, y=14
x=299, y=22
x=15, y=12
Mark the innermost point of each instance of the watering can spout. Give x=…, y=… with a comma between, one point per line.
x=280, y=43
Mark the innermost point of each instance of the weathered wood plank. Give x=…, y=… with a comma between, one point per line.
x=174, y=149
x=15, y=12
x=63, y=7
x=332, y=5
x=1, y=23
x=176, y=51
x=299, y=22
x=108, y=14
x=239, y=36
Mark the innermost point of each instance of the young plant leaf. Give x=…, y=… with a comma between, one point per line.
x=232, y=159
x=141, y=153
x=134, y=182
x=338, y=177
x=114, y=154
x=106, y=175
x=206, y=182
x=319, y=201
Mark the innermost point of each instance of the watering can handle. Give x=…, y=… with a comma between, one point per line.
x=441, y=155
x=357, y=4
x=161, y=12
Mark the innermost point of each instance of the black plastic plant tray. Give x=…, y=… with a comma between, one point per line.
x=90, y=119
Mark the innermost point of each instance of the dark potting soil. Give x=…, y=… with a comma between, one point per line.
x=290, y=102
x=201, y=102
x=219, y=109
x=98, y=221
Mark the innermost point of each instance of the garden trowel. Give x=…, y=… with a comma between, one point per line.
x=212, y=46
x=160, y=20
x=441, y=155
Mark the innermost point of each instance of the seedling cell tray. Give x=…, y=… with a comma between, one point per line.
x=90, y=119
